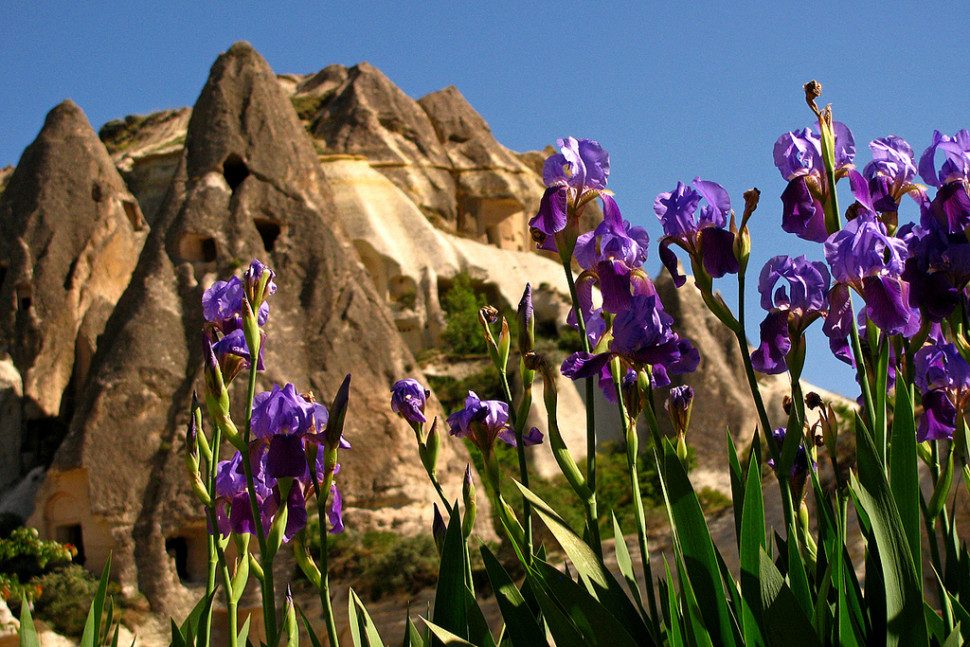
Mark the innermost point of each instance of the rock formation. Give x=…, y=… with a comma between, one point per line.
x=248, y=185
x=70, y=235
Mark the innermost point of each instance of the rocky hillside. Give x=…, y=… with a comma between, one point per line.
x=366, y=202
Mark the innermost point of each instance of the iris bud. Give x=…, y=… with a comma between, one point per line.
x=274, y=538
x=305, y=562
x=679, y=403
x=504, y=344
x=241, y=576
x=256, y=568
x=471, y=504
x=428, y=450
x=292, y=628
x=525, y=317
x=338, y=412
x=438, y=529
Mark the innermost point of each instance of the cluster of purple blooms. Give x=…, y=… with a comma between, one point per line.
x=910, y=277
x=481, y=421
x=289, y=431
x=630, y=324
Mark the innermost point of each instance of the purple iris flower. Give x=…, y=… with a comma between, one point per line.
x=864, y=257
x=956, y=164
x=791, y=310
x=285, y=422
x=581, y=166
x=642, y=335
x=482, y=421
x=613, y=253
x=698, y=230
x=222, y=304
x=253, y=276
x=888, y=176
x=798, y=157
x=937, y=269
x=233, y=509
x=950, y=209
x=408, y=398
x=943, y=378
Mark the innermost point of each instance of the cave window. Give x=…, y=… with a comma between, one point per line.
x=39, y=441
x=3, y=272
x=198, y=248
x=178, y=549
x=234, y=169
x=269, y=231
x=72, y=534
x=97, y=193
x=25, y=296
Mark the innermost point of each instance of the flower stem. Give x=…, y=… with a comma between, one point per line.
x=630, y=428
x=517, y=427
x=322, y=496
x=746, y=359
x=265, y=559
x=592, y=522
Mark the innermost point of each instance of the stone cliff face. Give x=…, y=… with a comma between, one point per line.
x=366, y=202
x=70, y=235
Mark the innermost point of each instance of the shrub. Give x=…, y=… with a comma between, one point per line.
x=65, y=597
x=23, y=558
x=463, y=333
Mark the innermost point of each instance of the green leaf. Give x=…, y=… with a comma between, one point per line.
x=521, y=625
x=625, y=564
x=597, y=624
x=92, y=626
x=903, y=471
x=449, y=598
x=737, y=485
x=959, y=611
x=904, y=599
x=797, y=578
x=694, y=539
x=314, y=641
x=955, y=639
x=244, y=632
x=178, y=640
x=412, y=637
x=190, y=626
x=564, y=632
x=783, y=620
x=934, y=623
x=478, y=631
x=362, y=628
x=446, y=637
x=694, y=627
x=28, y=634
x=752, y=538
x=880, y=396
x=942, y=490
x=674, y=619
x=595, y=576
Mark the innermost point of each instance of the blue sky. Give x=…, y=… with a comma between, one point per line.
x=672, y=92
